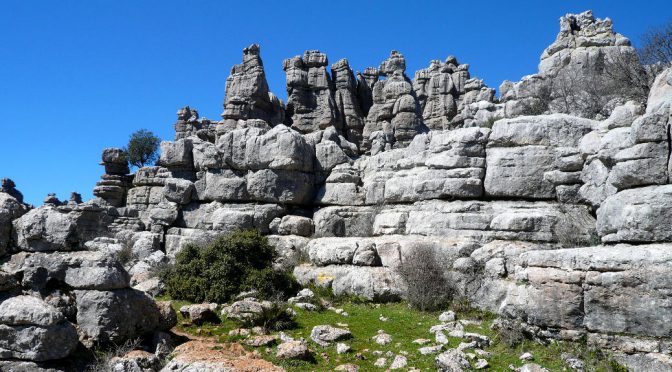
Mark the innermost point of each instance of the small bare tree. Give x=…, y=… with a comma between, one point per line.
x=425, y=279
x=657, y=45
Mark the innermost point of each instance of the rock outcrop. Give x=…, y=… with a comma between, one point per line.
x=62, y=284
x=558, y=223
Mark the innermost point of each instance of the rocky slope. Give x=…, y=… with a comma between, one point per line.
x=556, y=222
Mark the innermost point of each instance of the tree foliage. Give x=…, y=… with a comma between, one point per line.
x=142, y=148
x=230, y=264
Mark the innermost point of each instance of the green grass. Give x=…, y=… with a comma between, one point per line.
x=404, y=325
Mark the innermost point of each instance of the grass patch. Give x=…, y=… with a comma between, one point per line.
x=404, y=324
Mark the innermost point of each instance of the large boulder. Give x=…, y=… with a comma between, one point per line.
x=111, y=317
x=637, y=215
x=76, y=270
x=32, y=330
x=50, y=228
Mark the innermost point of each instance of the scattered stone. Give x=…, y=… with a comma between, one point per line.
x=527, y=356
x=483, y=353
x=467, y=345
x=447, y=316
x=451, y=326
x=452, y=361
x=323, y=335
x=383, y=319
x=304, y=295
x=240, y=332
x=482, y=364
x=245, y=309
x=399, y=362
x=306, y=306
x=261, y=340
x=200, y=313
x=342, y=348
x=293, y=350
x=382, y=338
x=380, y=363
x=347, y=367
x=531, y=367
x=466, y=322
x=421, y=341
x=285, y=337
x=430, y=349
x=574, y=363
x=441, y=338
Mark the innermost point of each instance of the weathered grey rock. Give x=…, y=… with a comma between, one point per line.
x=151, y=176
x=7, y=186
x=279, y=148
x=178, y=190
x=105, y=317
x=295, y=225
x=176, y=155
x=50, y=228
x=293, y=350
x=452, y=361
x=245, y=309
x=394, y=119
x=37, y=343
x=163, y=214
x=323, y=335
x=654, y=362
x=79, y=270
x=30, y=329
x=135, y=361
x=382, y=338
x=605, y=289
x=167, y=315
x=374, y=283
x=10, y=209
x=520, y=151
x=636, y=215
x=200, y=313
x=661, y=92
x=310, y=105
x=247, y=93
x=279, y=186
x=350, y=115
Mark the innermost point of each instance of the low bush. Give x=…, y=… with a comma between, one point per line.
x=276, y=317
x=233, y=263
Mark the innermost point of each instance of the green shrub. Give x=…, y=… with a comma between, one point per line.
x=227, y=266
x=271, y=283
x=276, y=317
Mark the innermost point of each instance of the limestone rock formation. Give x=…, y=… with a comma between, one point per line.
x=190, y=124
x=556, y=222
x=247, y=94
x=115, y=182
x=395, y=117
x=351, y=118
x=581, y=53
x=310, y=104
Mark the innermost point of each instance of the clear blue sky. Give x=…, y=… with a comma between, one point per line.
x=78, y=76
